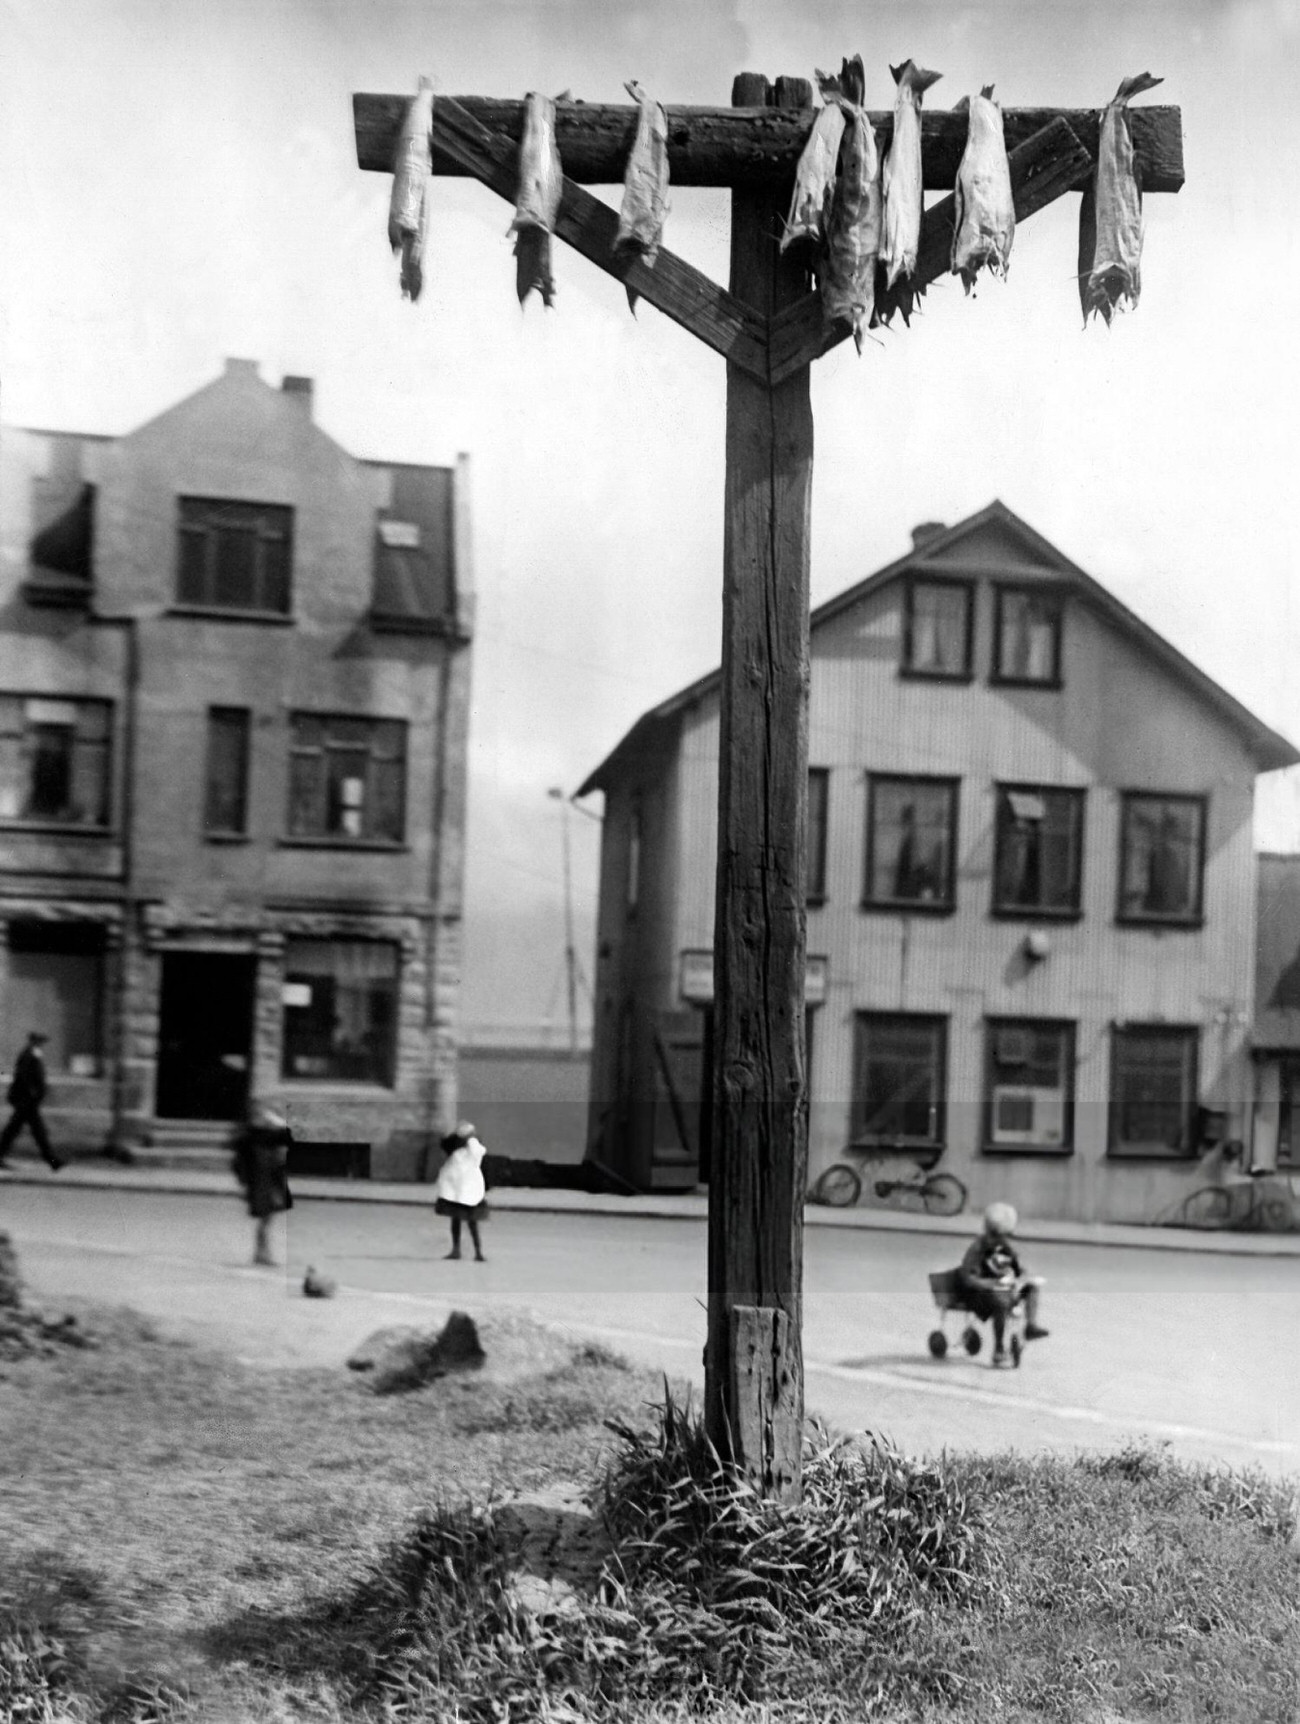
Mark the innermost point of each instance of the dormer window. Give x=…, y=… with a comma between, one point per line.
x=235, y=556
x=1027, y=637
x=937, y=629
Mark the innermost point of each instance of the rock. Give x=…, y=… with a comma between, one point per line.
x=318, y=1286
x=557, y=1546
x=411, y=1361
x=11, y=1286
x=373, y=1348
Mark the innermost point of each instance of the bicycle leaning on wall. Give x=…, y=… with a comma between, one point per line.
x=1251, y=1204
x=840, y=1187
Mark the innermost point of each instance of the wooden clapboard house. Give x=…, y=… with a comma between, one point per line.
x=1030, y=884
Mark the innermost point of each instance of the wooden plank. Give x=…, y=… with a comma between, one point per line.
x=750, y=146
x=768, y=1410
x=1050, y=163
x=683, y=293
x=760, y=1123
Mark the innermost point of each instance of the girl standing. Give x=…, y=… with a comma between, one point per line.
x=461, y=1187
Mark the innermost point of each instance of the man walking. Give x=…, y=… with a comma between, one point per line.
x=26, y=1093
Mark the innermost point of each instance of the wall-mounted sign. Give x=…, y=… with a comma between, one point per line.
x=697, y=979
x=295, y=994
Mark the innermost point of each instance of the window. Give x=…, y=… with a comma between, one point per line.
x=911, y=838
x=819, y=780
x=55, y=983
x=1162, y=853
x=1027, y=637
x=633, y=881
x=1039, y=850
x=54, y=760
x=898, y=1080
x=347, y=779
x=340, y=1010
x=1029, y=1086
x=226, y=804
x=937, y=629
x=1153, y=1090
x=235, y=556
x=1288, y=1125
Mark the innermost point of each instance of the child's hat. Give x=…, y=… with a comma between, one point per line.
x=1000, y=1218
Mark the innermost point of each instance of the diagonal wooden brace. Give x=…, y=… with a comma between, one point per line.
x=1046, y=165
x=685, y=294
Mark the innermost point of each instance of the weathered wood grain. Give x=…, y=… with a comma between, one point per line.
x=768, y=1410
x=748, y=146
x=760, y=1119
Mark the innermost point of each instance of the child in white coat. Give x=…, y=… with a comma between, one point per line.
x=461, y=1187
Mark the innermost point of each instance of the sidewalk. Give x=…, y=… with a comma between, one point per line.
x=93, y=1174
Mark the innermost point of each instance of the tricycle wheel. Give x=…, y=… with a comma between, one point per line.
x=938, y=1343
x=1017, y=1349
x=972, y=1341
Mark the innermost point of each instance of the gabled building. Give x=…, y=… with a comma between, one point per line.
x=1031, y=894
x=234, y=666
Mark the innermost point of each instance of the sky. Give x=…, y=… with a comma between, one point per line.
x=178, y=184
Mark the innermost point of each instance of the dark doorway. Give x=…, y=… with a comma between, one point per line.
x=205, y=1035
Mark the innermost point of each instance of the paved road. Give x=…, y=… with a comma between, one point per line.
x=1197, y=1350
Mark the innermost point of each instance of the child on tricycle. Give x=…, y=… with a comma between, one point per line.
x=992, y=1281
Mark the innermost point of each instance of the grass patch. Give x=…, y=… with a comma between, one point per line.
x=190, y=1542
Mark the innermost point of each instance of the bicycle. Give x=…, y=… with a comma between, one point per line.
x=1214, y=1207
x=936, y=1193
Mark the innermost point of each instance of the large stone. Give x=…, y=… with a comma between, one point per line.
x=558, y=1549
x=410, y=1361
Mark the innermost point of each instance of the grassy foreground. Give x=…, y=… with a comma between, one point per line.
x=188, y=1540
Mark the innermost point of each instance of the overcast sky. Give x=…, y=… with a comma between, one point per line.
x=178, y=183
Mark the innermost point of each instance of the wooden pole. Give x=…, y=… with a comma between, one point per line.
x=754, y=1360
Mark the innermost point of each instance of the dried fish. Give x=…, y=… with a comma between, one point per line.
x=901, y=181
x=814, y=178
x=408, y=207
x=985, y=223
x=645, y=185
x=848, y=273
x=1110, y=216
x=541, y=183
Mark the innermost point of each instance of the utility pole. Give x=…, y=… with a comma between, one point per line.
x=570, y=950
x=769, y=328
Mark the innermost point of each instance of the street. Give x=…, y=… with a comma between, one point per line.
x=1196, y=1350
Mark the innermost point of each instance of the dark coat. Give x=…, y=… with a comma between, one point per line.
x=261, y=1156
x=29, y=1084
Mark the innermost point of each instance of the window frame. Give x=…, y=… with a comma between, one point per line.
x=1003, y=910
x=945, y=905
x=103, y=824
x=212, y=830
x=272, y=523
x=1067, y=1030
x=1154, y=918
x=931, y=1146
x=297, y=750
x=921, y=673
x=1189, y=1148
x=392, y=1053
x=815, y=855
x=1002, y=590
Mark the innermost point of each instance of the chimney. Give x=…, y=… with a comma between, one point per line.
x=301, y=389
x=927, y=530
x=241, y=368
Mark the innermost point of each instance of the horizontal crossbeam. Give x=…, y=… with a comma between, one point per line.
x=754, y=146
x=1050, y=163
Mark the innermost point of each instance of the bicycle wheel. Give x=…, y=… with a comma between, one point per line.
x=1209, y=1207
x=1274, y=1215
x=943, y=1194
x=839, y=1187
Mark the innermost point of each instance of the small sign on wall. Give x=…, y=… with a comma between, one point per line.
x=295, y=994
x=697, y=979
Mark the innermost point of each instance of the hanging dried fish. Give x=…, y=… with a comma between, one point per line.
x=645, y=185
x=814, y=178
x=408, y=207
x=541, y=183
x=985, y=223
x=848, y=273
x=901, y=182
x=1110, y=215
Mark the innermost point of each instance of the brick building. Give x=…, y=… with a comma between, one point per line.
x=234, y=676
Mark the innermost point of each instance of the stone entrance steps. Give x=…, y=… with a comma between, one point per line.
x=201, y=1145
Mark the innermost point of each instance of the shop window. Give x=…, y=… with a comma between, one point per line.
x=899, y=1065
x=225, y=810
x=1039, y=850
x=1027, y=637
x=1288, y=1128
x=1162, y=859
x=1029, y=1086
x=235, y=556
x=54, y=760
x=937, y=629
x=340, y=1010
x=911, y=842
x=1153, y=1086
x=347, y=779
x=819, y=780
x=54, y=981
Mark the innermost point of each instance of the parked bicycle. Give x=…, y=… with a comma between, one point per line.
x=840, y=1187
x=1215, y=1207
